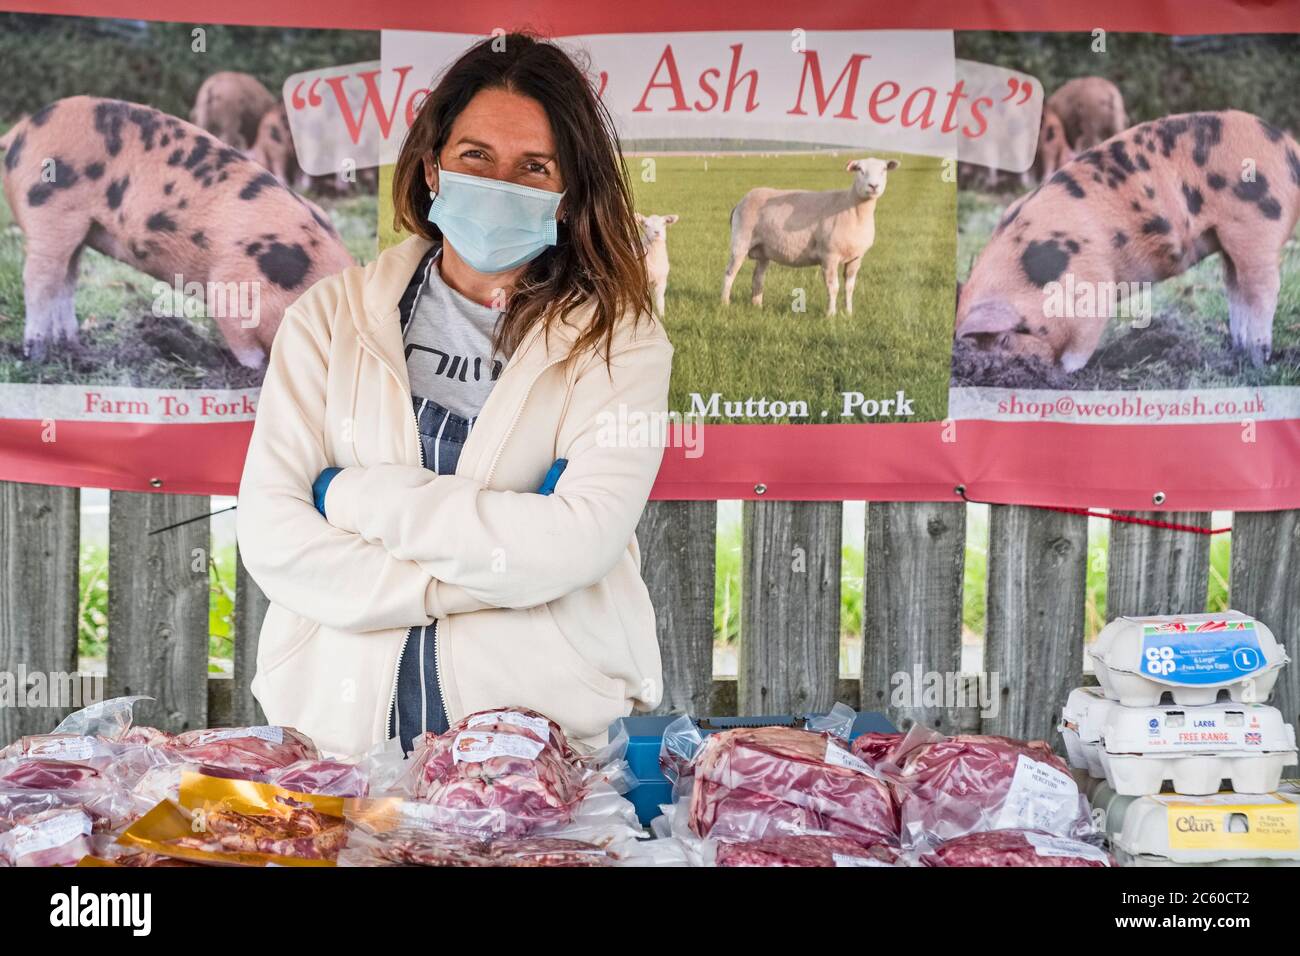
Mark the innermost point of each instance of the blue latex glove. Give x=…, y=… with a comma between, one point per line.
x=318, y=487
x=553, y=476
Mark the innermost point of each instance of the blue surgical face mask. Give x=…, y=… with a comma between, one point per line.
x=493, y=225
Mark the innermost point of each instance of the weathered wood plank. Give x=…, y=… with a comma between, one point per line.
x=1156, y=570
x=250, y=608
x=40, y=531
x=1265, y=583
x=1037, y=584
x=790, y=606
x=158, y=607
x=678, y=541
x=911, y=611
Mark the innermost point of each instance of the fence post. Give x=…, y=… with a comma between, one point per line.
x=790, y=606
x=678, y=541
x=1265, y=583
x=40, y=531
x=1037, y=585
x=250, y=608
x=158, y=595
x=1157, y=570
x=911, y=608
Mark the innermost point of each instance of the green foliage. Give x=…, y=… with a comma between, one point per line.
x=92, y=616
x=1159, y=75
x=47, y=58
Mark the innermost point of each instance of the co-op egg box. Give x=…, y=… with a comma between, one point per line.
x=1191, y=658
x=1138, y=749
x=1224, y=829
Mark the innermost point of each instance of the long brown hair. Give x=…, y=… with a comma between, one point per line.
x=598, y=253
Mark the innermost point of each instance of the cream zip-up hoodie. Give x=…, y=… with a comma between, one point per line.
x=539, y=599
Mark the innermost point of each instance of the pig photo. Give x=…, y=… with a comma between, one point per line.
x=154, y=221
x=1154, y=247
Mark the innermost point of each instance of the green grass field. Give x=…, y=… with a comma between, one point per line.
x=900, y=335
x=1190, y=320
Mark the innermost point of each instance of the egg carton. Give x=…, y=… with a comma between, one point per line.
x=1191, y=658
x=1222, y=829
x=1195, y=748
x=1082, y=718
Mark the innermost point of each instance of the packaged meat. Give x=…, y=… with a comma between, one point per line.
x=1196, y=748
x=241, y=823
x=38, y=774
x=752, y=782
x=57, y=837
x=804, y=850
x=427, y=846
x=249, y=750
x=546, y=851
x=413, y=846
x=1224, y=829
x=1014, y=848
x=1189, y=658
x=967, y=784
x=502, y=776
x=335, y=778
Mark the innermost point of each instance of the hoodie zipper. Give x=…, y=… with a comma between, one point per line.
x=415, y=422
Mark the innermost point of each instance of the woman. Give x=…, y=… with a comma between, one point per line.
x=413, y=409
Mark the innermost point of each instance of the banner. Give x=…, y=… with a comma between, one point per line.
x=1043, y=255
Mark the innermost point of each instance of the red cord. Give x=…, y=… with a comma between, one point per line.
x=1127, y=519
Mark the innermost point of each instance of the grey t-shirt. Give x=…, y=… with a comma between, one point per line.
x=449, y=356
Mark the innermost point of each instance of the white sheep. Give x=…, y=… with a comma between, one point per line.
x=654, y=244
x=800, y=227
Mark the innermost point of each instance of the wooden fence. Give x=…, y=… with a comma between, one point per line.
x=790, y=614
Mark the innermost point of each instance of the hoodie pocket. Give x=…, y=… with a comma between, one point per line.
x=551, y=635
x=283, y=635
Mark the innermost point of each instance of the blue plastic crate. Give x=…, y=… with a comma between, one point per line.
x=646, y=733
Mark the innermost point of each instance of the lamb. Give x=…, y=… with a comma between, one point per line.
x=162, y=196
x=1140, y=207
x=799, y=227
x=654, y=244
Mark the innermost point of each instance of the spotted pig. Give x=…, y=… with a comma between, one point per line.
x=230, y=106
x=163, y=196
x=1141, y=207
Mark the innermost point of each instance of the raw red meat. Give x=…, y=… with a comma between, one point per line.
x=46, y=774
x=1014, y=848
x=966, y=784
x=807, y=850
x=754, y=781
x=300, y=832
x=332, y=778
x=248, y=750
x=875, y=747
x=546, y=851
x=497, y=778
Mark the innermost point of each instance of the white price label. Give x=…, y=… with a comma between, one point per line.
x=473, y=746
x=837, y=756
x=1040, y=798
x=537, y=725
